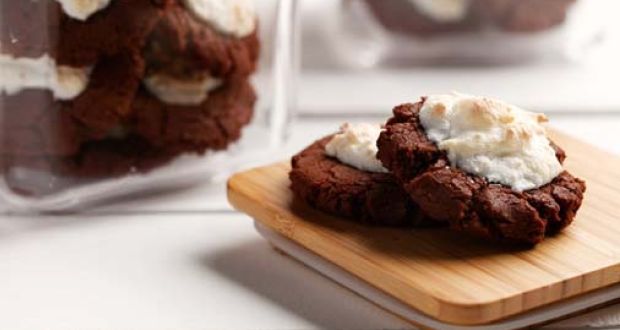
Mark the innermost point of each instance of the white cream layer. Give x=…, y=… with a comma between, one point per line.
x=356, y=145
x=41, y=73
x=234, y=17
x=443, y=11
x=81, y=9
x=181, y=92
x=491, y=139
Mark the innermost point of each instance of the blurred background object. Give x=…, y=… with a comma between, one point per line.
x=515, y=50
x=120, y=97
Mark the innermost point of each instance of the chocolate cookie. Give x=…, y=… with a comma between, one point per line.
x=35, y=127
x=213, y=124
x=105, y=104
x=182, y=46
x=402, y=16
x=468, y=202
x=331, y=186
x=108, y=99
x=122, y=27
x=36, y=28
x=115, y=126
x=62, y=125
x=112, y=157
x=523, y=15
x=94, y=160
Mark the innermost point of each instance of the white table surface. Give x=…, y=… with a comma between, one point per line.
x=161, y=263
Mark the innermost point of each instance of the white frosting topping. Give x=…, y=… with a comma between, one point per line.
x=356, y=145
x=42, y=73
x=234, y=17
x=443, y=11
x=182, y=92
x=491, y=139
x=81, y=9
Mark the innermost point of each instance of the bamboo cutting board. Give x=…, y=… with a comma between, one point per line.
x=445, y=275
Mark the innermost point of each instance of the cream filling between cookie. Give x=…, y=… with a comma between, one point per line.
x=443, y=11
x=177, y=91
x=491, y=139
x=22, y=73
x=234, y=17
x=81, y=9
x=356, y=145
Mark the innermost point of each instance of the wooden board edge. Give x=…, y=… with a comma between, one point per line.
x=361, y=292
x=462, y=313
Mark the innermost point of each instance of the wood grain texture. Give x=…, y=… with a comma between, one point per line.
x=447, y=275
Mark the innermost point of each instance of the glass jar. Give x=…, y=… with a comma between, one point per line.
x=365, y=56
x=110, y=97
x=479, y=32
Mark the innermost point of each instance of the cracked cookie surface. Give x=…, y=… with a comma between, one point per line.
x=211, y=125
x=470, y=203
x=336, y=188
x=122, y=44
x=182, y=46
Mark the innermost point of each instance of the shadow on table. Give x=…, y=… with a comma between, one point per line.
x=288, y=284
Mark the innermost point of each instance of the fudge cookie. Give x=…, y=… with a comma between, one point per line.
x=40, y=134
x=94, y=160
x=93, y=103
x=429, y=17
x=107, y=101
x=183, y=44
x=423, y=17
x=122, y=26
x=339, y=174
x=112, y=157
x=523, y=15
x=183, y=60
x=77, y=33
x=484, y=166
x=103, y=86
x=212, y=124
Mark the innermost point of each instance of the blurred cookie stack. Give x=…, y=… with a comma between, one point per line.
x=431, y=17
x=109, y=87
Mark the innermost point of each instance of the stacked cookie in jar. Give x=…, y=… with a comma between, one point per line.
x=104, y=88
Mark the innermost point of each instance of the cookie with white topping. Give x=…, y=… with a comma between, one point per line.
x=212, y=124
x=482, y=165
x=172, y=75
x=194, y=39
x=339, y=174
